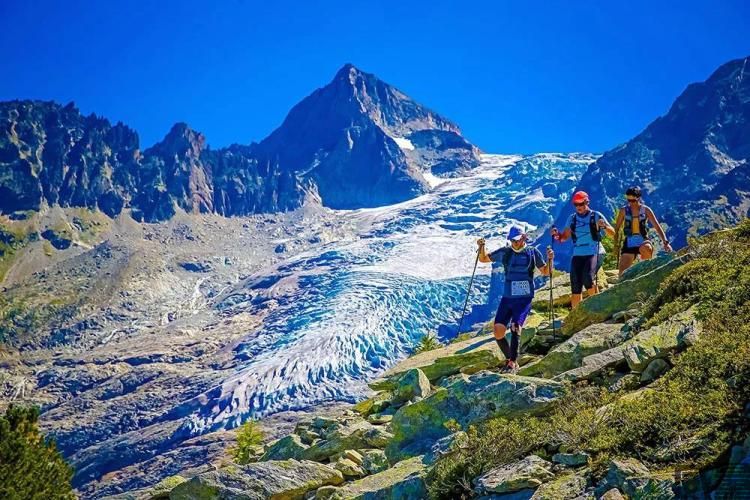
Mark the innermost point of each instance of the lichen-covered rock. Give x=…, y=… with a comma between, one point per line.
x=571, y=459
x=569, y=354
x=477, y=353
x=445, y=445
x=612, y=494
x=659, y=486
x=161, y=490
x=348, y=468
x=565, y=487
x=642, y=278
x=530, y=472
x=654, y=370
x=285, y=448
x=348, y=435
x=287, y=479
x=411, y=385
x=468, y=400
x=354, y=456
x=620, y=470
x=593, y=365
x=659, y=341
x=374, y=461
x=404, y=481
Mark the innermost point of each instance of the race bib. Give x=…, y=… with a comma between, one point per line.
x=520, y=288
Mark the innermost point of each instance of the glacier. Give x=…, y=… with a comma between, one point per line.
x=337, y=317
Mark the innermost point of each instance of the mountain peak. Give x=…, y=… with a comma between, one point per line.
x=348, y=71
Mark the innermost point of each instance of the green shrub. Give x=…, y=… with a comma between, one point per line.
x=30, y=465
x=427, y=343
x=249, y=437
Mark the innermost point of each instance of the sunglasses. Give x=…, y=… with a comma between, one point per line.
x=631, y=200
x=579, y=204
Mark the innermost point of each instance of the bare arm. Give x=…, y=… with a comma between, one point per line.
x=652, y=219
x=546, y=269
x=561, y=236
x=603, y=224
x=483, y=257
x=618, y=226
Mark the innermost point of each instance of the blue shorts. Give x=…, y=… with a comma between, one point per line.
x=514, y=309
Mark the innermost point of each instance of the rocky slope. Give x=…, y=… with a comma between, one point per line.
x=693, y=163
x=428, y=414
x=349, y=144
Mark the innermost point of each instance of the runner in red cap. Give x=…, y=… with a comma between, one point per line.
x=584, y=227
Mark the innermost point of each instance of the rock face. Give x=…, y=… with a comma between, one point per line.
x=703, y=142
x=530, y=472
x=403, y=481
x=287, y=479
x=357, y=142
x=643, y=278
x=467, y=400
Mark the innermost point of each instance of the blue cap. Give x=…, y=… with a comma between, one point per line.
x=515, y=233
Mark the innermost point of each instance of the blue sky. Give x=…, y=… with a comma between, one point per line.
x=521, y=76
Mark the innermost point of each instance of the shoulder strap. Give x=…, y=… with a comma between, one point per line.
x=506, y=260
x=595, y=235
x=530, y=251
x=573, y=228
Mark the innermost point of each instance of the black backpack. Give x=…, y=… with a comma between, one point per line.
x=595, y=235
x=509, y=254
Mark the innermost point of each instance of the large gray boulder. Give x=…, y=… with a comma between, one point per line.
x=348, y=435
x=287, y=479
x=530, y=472
x=594, y=365
x=411, y=385
x=643, y=278
x=659, y=341
x=285, y=448
x=564, y=487
x=467, y=400
x=404, y=481
x=568, y=355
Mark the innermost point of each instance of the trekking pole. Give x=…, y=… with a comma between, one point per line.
x=551, y=300
x=468, y=292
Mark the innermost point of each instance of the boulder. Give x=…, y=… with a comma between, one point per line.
x=530, y=472
x=642, y=278
x=564, y=487
x=571, y=459
x=618, y=471
x=613, y=494
x=568, y=355
x=285, y=448
x=161, y=490
x=348, y=468
x=287, y=479
x=659, y=341
x=467, y=400
x=404, y=481
x=659, y=486
x=374, y=461
x=354, y=456
x=445, y=445
x=476, y=353
x=411, y=385
x=654, y=370
x=560, y=293
x=593, y=365
x=348, y=435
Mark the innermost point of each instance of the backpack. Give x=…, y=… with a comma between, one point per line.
x=642, y=221
x=509, y=254
x=595, y=235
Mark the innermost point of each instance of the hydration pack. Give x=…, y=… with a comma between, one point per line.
x=642, y=221
x=595, y=235
x=519, y=273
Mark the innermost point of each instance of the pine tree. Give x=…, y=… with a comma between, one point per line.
x=31, y=468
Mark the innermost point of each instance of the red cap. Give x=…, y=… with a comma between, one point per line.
x=580, y=197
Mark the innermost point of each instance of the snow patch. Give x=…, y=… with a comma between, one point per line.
x=404, y=143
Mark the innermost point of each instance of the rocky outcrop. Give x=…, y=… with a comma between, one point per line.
x=467, y=400
x=528, y=473
x=405, y=480
x=287, y=479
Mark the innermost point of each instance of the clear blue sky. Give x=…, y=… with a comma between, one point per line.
x=517, y=76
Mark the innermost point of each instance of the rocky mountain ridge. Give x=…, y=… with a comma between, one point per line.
x=346, y=145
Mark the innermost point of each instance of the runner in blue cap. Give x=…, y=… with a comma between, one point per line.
x=518, y=261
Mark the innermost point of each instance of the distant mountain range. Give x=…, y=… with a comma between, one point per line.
x=357, y=142
x=693, y=164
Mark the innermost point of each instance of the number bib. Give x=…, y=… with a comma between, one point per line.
x=520, y=288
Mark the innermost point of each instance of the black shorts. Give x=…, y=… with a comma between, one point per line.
x=633, y=250
x=583, y=270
